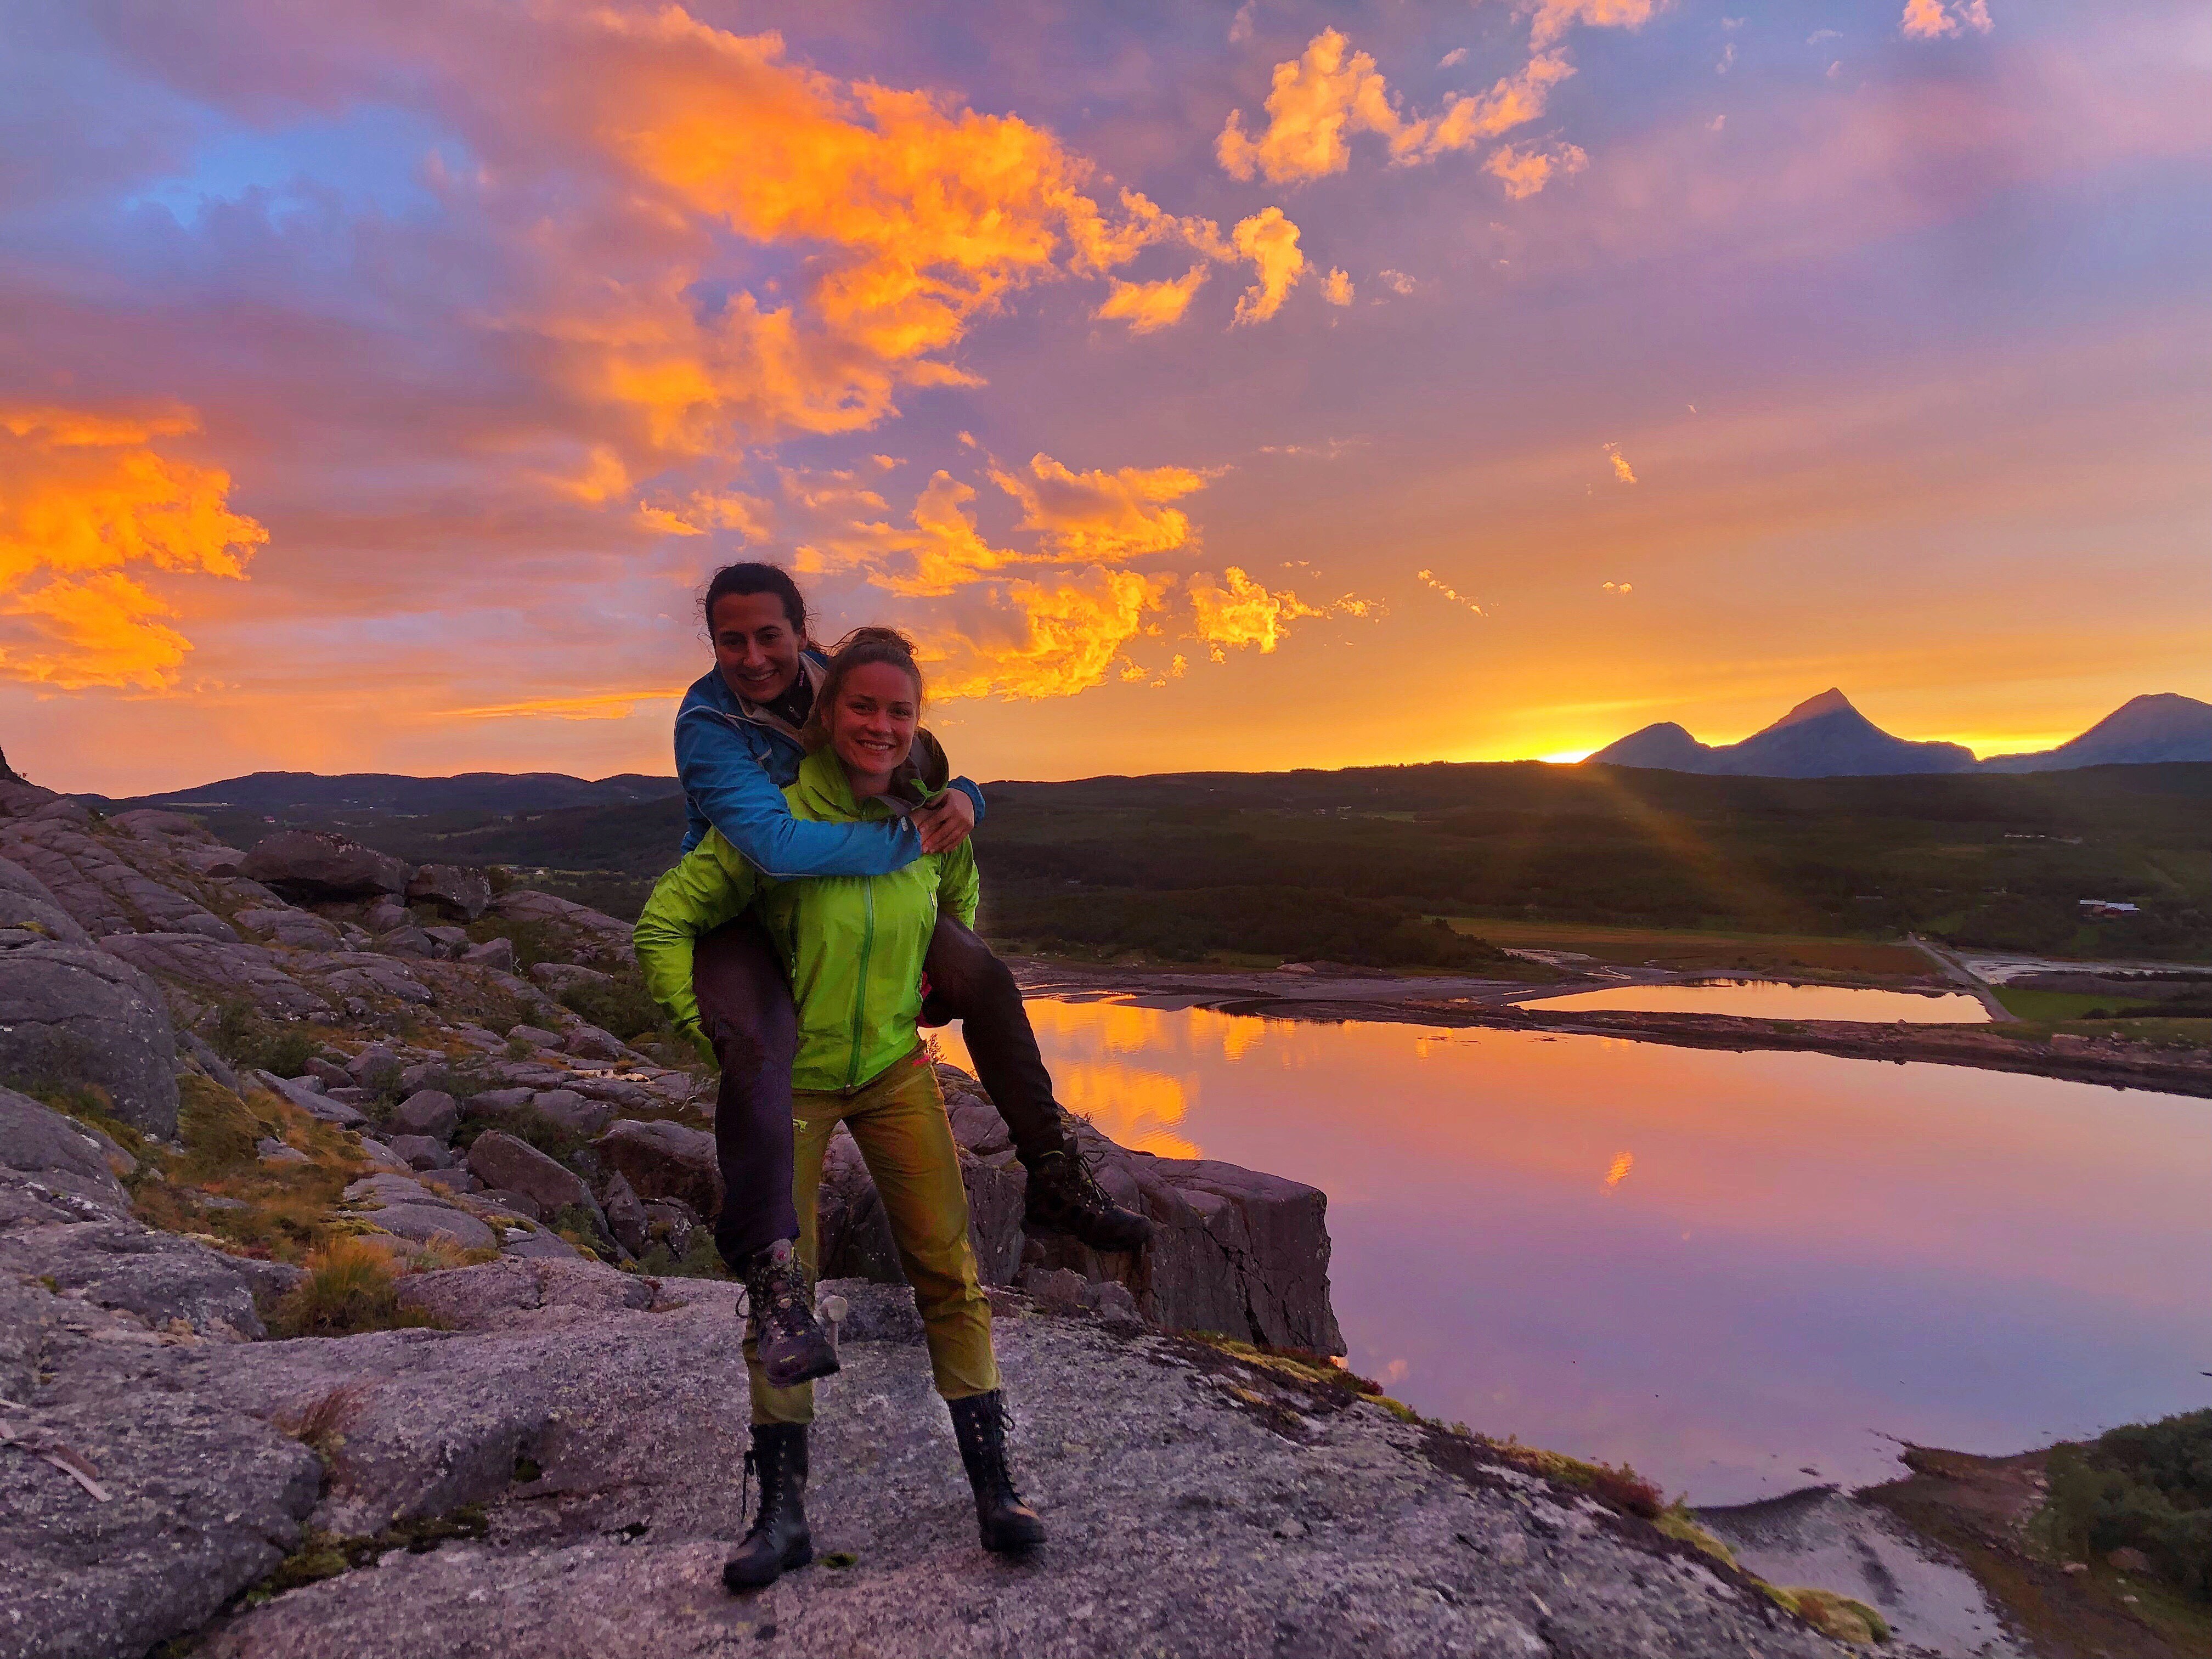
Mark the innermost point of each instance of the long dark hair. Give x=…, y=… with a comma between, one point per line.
x=753, y=577
x=859, y=648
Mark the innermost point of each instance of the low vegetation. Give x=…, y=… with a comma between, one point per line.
x=2140, y=1494
x=352, y=1285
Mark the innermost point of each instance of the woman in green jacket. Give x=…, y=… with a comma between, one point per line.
x=853, y=946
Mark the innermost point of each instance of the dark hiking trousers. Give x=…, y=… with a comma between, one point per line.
x=745, y=1010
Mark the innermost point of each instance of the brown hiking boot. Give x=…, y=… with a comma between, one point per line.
x=790, y=1342
x=1064, y=1197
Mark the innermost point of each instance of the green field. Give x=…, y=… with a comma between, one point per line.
x=1687, y=949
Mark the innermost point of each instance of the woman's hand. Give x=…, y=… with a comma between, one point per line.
x=946, y=822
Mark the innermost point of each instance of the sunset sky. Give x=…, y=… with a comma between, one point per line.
x=1287, y=385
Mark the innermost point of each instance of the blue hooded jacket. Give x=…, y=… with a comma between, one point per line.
x=734, y=769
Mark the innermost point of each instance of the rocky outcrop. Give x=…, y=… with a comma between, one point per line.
x=73, y=1014
x=458, y=891
x=1233, y=1249
x=305, y=864
x=1200, y=1507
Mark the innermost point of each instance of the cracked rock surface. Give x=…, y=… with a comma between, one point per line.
x=1186, y=1519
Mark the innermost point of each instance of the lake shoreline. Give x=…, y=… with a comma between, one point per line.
x=1456, y=1002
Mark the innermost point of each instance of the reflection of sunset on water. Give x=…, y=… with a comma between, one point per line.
x=1802, y=1254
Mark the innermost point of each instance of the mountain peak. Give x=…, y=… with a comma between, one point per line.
x=1830, y=701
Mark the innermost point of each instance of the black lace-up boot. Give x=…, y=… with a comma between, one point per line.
x=791, y=1343
x=1009, y=1526
x=779, y=1538
x=1064, y=1197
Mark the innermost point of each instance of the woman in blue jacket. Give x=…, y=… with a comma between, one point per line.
x=737, y=748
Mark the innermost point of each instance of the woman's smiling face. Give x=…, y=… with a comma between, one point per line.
x=872, y=722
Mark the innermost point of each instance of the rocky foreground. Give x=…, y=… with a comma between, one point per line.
x=304, y=1088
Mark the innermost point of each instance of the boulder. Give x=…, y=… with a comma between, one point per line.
x=572, y=1112
x=422, y=1152
x=77, y=1014
x=219, y=970
x=501, y=1160
x=108, y=883
x=421, y=1223
x=409, y=941
x=450, y=941
x=536, y=1035
x=211, y=861
x=431, y=1112
x=497, y=1102
x=580, y=930
x=118, y=1263
x=58, y=1153
x=673, y=1222
x=560, y=976
x=301, y=930
x=590, y=1042
x=383, y=915
x=626, y=1216
x=26, y=903
x=496, y=954
x=458, y=891
x=307, y=864
x=154, y=822
x=313, y=1101
x=661, y=1160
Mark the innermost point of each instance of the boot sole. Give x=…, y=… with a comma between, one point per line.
x=737, y=1583
x=1022, y=1543
x=815, y=1358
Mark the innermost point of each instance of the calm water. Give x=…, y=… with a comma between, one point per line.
x=1724, y=1268
x=1772, y=998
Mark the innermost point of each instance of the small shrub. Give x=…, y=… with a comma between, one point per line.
x=349, y=1288
x=533, y=941
x=620, y=1006
x=243, y=1036
x=2147, y=1487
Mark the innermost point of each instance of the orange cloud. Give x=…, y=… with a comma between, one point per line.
x=1241, y=612
x=1337, y=289
x=1622, y=470
x=1148, y=306
x=1525, y=172
x=1551, y=19
x=1032, y=640
x=1930, y=20
x=88, y=507
x=1329, y=91
x=1270, y=241
x=1103, y=515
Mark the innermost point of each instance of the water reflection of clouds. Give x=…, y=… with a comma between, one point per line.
x=1799, y=1249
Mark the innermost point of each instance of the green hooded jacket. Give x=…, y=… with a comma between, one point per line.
x=852, y=945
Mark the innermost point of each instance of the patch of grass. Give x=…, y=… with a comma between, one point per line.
x=701, y=1260
x=620, y=1006
x=319, y=1424
x=351, y=1287
x=242, y=1035
x=1621, y=1486
x=534, y=941
x=1690, y=950
x=1837, y=1617
x=2050, y=1007
x=325, y=1555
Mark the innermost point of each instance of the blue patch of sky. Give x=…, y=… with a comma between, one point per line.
x=373, y=155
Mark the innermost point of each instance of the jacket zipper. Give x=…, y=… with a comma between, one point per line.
x=860, y=995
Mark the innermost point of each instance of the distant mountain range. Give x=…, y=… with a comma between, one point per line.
x=1825, y=736
x=391, y=792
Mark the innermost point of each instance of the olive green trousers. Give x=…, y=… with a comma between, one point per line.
x=897, y=1118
